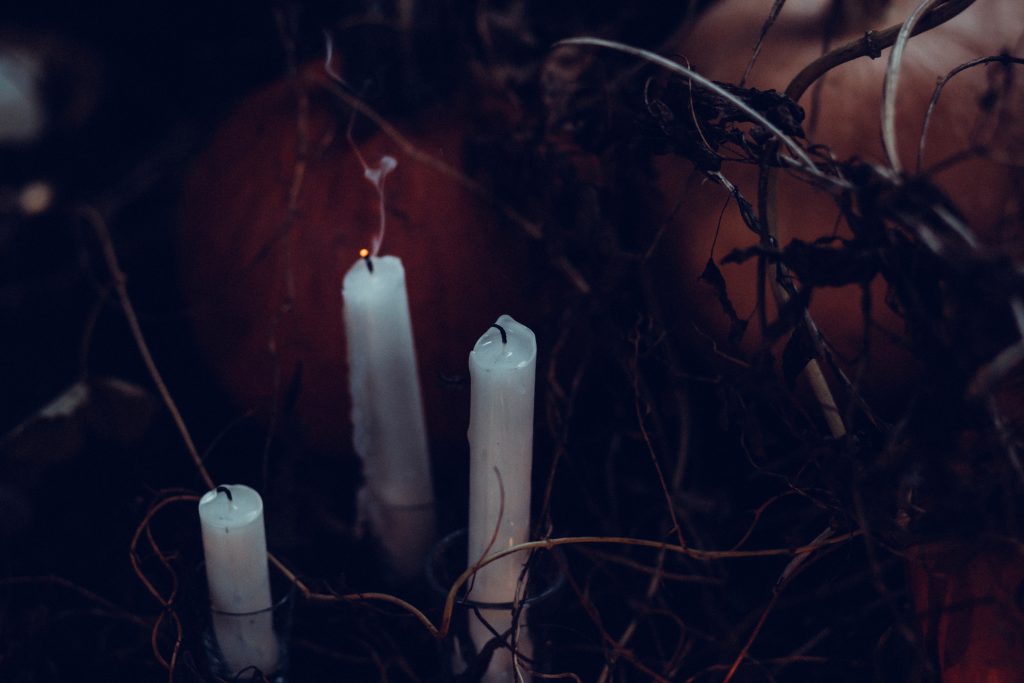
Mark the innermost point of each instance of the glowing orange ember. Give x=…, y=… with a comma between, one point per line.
x=364, y=252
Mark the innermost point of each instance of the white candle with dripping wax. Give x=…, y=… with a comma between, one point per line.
x=502, y=366
x=389, y=430
x=235, y=549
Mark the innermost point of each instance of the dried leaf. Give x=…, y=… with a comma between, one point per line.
x=713, y=276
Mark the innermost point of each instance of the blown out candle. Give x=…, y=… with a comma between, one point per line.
x=235, y=549
x=389, y=430
x=502, y=367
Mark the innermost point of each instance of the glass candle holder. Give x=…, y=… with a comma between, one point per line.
x=544, y=582
x=247, y=647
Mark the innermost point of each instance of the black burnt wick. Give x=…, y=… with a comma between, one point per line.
x=504, y=335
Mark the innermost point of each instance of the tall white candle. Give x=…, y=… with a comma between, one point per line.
x=502, y=367
x=390, y=433
x=235, y=549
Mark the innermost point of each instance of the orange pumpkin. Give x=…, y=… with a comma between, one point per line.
x=263, y=278
x=845, y=116
x=968, y=598
x=970, y=602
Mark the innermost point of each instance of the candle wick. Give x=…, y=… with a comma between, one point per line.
x=369, y=263
x=227, y=492
x=504, y=335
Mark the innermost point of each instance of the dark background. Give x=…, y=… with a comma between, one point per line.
x=135, y=90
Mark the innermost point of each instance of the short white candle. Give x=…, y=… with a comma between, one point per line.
x=389, y=430
x=502, y=368
x=235, y=549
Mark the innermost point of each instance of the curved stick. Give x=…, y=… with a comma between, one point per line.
x=870, y=45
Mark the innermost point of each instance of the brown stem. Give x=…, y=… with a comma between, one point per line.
x=1004, y=59
x=110, y=256
x=870, y=45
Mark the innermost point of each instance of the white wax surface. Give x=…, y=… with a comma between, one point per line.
x=389, y=430
x=235, y=550
x=500, y=443
x=22, y=109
